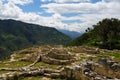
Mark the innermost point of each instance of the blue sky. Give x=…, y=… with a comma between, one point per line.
x=73, y=15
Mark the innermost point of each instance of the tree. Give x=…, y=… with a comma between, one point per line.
x=109, y=32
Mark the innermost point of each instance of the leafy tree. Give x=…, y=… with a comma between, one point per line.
x=105, y=34
x=109, y=32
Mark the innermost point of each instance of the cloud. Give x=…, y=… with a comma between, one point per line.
x=81, y=7
x=9, y=10
x=71, y=1
x=21, y=2
x=73, y=8
x=88, y=13
x=66, y=1
x=46, y=0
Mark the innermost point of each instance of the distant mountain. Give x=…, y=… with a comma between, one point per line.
x=105, y=34
x=71, y=34
x=15, y=35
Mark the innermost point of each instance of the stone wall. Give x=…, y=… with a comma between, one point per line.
x=90, y=70
x=55, y=61
x=60, y=56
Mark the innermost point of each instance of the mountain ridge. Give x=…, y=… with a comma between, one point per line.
x=15, y=35
x=72, y=34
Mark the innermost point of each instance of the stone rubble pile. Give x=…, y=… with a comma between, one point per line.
x=102, y=70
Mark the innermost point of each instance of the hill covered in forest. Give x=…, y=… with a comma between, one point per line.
x=105, y=34
x=15, y=35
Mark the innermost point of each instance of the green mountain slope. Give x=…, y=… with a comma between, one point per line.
x=105, y=34
x=15, y=35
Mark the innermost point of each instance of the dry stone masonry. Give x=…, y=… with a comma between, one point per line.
x=66, y=62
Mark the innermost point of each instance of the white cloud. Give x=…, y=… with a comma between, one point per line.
x=9, y=10
x=66, y=1
x=81, y=7
x=70, y=1
x=0, y=3
x=46, y=0
x=88, y=13
x=21, y=2
x=43, y=0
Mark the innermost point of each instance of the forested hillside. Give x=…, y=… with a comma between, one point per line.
x=15, y=35
x=105, y=34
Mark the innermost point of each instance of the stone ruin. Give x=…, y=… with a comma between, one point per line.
x=84, y=49
x=57, y=56
x=102, y=70
x=51, y=56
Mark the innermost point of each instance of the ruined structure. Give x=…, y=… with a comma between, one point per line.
x=57, y=56
x=102, y=70
x=67, y=66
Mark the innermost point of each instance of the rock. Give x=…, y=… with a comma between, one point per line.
x=102, y=61
x=78, y=68
x=97, y=51
x=45, y=78
x=55, y=75
x=115, y=66
x=110, y=63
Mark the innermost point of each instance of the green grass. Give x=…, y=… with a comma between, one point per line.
x=83, y=57
x=40, y=64
x=33, y=78
x=46, y=65
x=59, y=79
x=2, y=72
x=115, y=56
x=39, y=78
x=17, y=64
x=19, y=56
x=8, y=59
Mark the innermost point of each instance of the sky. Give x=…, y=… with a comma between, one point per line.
x=72, y=15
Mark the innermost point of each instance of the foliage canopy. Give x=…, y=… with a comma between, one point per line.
x=105, y=34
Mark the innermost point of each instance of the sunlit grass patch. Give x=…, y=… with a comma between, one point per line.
x=2, y=72
x=40, y=78
x=33, y=78
x=16, y=64
x=114, y=56
x=38, y=64
x=19, y=56
x=83, y=57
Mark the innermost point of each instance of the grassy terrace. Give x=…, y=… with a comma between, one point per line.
x=32, y=78
x=47, y=65
x=16, y=64
x=19, y=56
x=2, y=72
x=115, y=56
x=39, y=78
